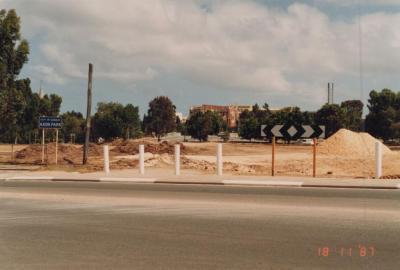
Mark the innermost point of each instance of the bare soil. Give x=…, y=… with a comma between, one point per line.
x=345, y=154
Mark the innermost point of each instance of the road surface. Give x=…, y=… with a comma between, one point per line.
x=46, y=225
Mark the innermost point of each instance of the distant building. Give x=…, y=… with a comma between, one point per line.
x=230, y=114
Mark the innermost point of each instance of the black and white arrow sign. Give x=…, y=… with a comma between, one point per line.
x=293, y=132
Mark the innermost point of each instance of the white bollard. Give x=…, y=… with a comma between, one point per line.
x=106, y=160
x=219, y=159
x=141, y=159
x=378, y=160
x=177, y=159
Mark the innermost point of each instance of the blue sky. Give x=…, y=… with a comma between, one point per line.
x=219, y=52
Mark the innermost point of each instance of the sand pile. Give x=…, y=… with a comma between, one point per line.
x=67, y=153
x=350, y=144
x=131, y=147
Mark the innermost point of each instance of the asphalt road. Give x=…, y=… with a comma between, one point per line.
x=132, y=226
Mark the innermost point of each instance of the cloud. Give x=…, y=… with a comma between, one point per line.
x=241, y=45
x=48, y=74
x=362, y=2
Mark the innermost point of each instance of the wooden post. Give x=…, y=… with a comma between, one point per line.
x=12, y=152
x=88, y=112
x=56, y=146
x=314, y=157
x=273, y=157
x=43, y=133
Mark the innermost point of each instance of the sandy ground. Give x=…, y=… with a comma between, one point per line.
x=346, y=155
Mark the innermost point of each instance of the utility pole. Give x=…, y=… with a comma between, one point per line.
x=330, y=93
x=88, y=112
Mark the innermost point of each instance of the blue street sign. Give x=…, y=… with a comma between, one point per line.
x=50, y=122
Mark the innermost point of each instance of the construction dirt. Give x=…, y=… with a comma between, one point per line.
x=347, y=143
x=344, y=154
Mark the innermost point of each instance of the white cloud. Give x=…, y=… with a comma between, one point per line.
x=234, y=44
x=362, y=2
x=48, y=74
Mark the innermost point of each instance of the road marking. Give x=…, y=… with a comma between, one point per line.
x=262, y=183
x=132, y=180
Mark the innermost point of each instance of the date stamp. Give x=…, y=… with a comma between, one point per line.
x=350, y=251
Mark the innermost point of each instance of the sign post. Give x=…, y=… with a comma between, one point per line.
x=43, y=146
x=314, y=157
x=49, y=122
x=273, y=157
x=56, y=146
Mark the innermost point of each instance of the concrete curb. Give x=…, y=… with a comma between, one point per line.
x=262, y=183
x=228, y=182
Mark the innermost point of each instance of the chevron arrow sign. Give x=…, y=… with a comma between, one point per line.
x=293, y=132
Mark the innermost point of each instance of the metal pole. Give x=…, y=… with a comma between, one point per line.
x=314, y=157
x=219, y=159
x=378, y=160
x=88, y=112
x=43, y=146
x=141, y=159
x=329, y=93
x=177, y=159
x=273, y=157
x=106, y=160
x=56, y=146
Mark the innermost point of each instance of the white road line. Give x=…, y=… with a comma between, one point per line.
x=126, y=179
x=262, y=183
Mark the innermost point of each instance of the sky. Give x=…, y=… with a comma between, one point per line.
x=281, y=52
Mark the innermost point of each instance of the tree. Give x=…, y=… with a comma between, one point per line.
x=55, y=104
x=131, y=121
x=73, y=123
x=383, y=113
x=20, y=108
x=249, y=127
x=160, y=118
x=12, y=105
x=200, y=125
x=352, y=110
x=331, y=116
x=13, y=55
x=113, y=120
x=13, y=51
x=288, y=115
x=250, y=121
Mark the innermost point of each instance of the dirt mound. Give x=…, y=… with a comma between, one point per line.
x=131, y=147
x=350, y=144
x=67, y=153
